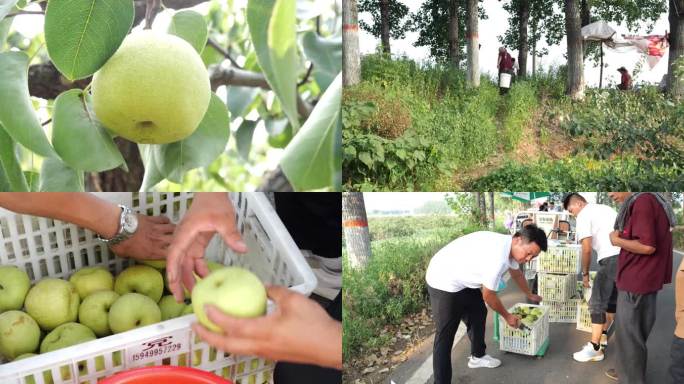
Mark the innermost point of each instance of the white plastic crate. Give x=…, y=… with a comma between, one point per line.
x=560, y=259
x=562, y=311
x=45, y=247
x=583, y=317
x=555, y=287
x=546, y=221
x=524, y=341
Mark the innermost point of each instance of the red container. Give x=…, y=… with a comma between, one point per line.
x=166, y=375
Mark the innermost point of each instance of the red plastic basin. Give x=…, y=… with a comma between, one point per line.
x=166, y=375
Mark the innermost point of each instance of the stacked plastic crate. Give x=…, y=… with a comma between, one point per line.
x=583, y=317
x=557, y=270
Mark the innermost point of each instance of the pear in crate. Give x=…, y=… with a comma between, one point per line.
x=131, y=311
x=14, y=284
x=140, y=279
x=94, y=311
x=92, y=279
x=235, y=291
x=19, y=334
x=188, y=310
x=170, y=308
x=52, y=302
x=156, y=264
x=66, y=335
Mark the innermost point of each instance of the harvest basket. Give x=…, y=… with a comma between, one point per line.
x=525, y=341
x=50, y=248
x=583, y=317
x=560, y=259
x=554, y=287
x=562, y=311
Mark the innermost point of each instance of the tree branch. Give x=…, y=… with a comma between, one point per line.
x=222, y=51
x=151, y=10
x=141, y=6
x=45, y=81
x=306, y=77
x=275, y=181
x=220, y=75
x=12, y=14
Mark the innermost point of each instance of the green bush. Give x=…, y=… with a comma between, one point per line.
x=643, y=122
x=451, y=126
x=626, y=173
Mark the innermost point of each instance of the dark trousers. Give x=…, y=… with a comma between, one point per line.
x=677, y=365
x=636, y=314
x=286, y=373
x=448, y=309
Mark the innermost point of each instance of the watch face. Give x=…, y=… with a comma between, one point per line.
x=130, y=223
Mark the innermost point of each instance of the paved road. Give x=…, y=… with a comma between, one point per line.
x=557, y=366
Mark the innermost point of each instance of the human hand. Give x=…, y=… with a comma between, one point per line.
x=150, y=241
x=534, y=298
x=513, y=321
x=614, y=237
x=298, y=331
x=209, y=213
x=585, y=281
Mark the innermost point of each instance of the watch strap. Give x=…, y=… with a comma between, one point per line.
x=121, y=235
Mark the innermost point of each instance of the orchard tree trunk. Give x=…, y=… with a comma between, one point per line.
x=575, y=81
x=118, y=180
x=454, y=52
x=491, y=213
x=675, y=86
x=534, y=50
x=585, y=14
x=473, y=79
x=351, y=59
x=585, y=11
x=355, y=226
x=524, y=17
x=385, y=29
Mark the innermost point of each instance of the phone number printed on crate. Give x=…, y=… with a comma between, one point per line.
x=158, y=348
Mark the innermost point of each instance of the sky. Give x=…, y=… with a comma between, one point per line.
x=405, y=201
x=496, y=25
x=408, y=201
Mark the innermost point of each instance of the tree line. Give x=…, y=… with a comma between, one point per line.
x=449, y=28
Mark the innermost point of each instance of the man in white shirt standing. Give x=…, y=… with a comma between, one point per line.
x=594, y=225
x=463, y=276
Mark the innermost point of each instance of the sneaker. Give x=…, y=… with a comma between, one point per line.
x=485, y=361
x=612, y=374
x=587, y=353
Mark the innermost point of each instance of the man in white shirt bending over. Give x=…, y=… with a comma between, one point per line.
x=594, y=225
x=463, y=276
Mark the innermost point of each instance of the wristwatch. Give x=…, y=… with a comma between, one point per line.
x=128, y=224
x=585, y=273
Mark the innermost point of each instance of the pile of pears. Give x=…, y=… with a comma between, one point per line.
x=528, y=315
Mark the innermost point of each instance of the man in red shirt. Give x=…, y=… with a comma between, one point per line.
x=642, y=230
x=625, y=80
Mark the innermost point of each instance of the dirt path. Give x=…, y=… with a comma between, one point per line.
x=541, y=137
